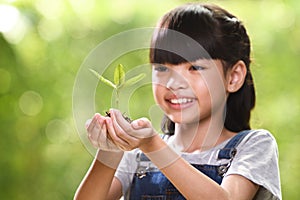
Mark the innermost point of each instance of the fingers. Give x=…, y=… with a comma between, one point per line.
x=121, y=122
x=87, y=123
x=97, y=133
x=123, y=131
x=122, y=126
x=136, y=129
x=102, y=134
x=90, y=123
x=116, y=137
x=94, y=130
x=140, y=123
x=115, y=132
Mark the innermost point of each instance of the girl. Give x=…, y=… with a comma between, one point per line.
x=200, y=57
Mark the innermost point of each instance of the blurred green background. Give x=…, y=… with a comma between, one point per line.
x=42, y=46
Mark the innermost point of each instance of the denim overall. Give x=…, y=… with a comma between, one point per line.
x=150, y=184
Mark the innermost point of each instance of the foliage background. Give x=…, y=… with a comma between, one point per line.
x=44, y=42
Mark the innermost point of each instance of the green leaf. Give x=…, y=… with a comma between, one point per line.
x=134, y=80
x=119, y=75
x=102, y=79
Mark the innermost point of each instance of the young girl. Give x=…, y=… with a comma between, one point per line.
x=200, y=57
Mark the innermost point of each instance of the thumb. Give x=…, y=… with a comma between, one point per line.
x=141, y=123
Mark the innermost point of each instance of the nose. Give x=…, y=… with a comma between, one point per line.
x=176, y=81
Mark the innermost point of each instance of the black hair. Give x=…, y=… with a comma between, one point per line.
x=222, y=36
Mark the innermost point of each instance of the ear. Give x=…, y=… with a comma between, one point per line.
x=236, y=76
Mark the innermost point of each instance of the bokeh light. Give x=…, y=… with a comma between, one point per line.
x=9, y=17
x=31, y=103
x=57, y=131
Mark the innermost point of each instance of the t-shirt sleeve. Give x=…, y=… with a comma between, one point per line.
x=126, y=170
x=257, y=160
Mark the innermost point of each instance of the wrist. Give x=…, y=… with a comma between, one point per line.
x=159, y=152
x=153, y=143
x=109, y=158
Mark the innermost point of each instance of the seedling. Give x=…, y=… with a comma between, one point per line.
x=119, y=82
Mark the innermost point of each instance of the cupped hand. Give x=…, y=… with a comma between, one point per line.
x=98, y=135
x=127, y=135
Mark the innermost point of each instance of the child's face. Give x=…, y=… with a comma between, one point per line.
x=190, y=92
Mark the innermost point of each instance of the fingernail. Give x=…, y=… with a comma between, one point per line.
x=135, y=124
x=108, y=120
x=97, y=115
x=87, y=123
x=111, y=111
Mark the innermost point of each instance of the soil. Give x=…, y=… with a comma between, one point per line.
x=125, y=117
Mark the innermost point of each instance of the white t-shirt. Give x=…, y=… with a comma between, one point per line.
x=256, y=159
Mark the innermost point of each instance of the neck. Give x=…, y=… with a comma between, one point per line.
x=200, y=136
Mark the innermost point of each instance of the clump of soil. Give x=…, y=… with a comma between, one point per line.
x=124, y=116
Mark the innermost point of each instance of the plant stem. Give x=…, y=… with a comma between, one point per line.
x=117, y=98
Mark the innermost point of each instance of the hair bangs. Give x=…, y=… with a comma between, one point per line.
x=185, y=38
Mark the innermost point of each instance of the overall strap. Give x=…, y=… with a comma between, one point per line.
x=141, y=157
x=229, y=151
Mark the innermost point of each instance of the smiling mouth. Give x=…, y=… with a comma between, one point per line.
x=181, y=100
x=180, y=103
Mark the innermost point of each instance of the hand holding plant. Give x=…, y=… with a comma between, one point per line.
x=129, y=136
x=100, y=128
x=98, y=134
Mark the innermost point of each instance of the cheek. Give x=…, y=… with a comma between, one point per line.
x=209, y=90
x=159, y=80
x=215, y=91
x=157, y=90
x=203, y=93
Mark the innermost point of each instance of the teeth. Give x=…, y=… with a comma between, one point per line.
x=181, y=100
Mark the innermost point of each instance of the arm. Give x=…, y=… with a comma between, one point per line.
x=176, y=169
x=99, y=182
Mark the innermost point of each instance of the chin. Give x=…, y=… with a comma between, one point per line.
x=190, y=119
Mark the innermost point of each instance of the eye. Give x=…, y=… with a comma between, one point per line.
x=196, y=68
x=160, y=68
